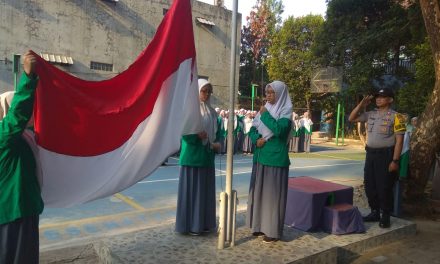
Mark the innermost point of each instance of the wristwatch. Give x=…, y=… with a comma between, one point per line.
x=396, y=161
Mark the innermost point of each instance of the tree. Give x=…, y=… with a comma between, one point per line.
x=290, y=56
x=256, y=37
x=368, y=39
x=425, y=142
x=413, y=96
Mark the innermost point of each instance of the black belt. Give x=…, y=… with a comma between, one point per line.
x=379, y=150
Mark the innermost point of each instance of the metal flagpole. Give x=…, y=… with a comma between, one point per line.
x=16, y=68
x=230, y=197
x=230, y=150
x=337, y=123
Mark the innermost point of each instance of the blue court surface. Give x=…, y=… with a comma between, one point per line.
x=152, y=201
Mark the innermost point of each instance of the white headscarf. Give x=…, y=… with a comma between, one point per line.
x=296, y=124
x=247, y=123
x=209, y=116
x=5, y=103
x=306, y=122
x=281, y=109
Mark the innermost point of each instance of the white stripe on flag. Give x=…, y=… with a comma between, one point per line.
x=69, y=180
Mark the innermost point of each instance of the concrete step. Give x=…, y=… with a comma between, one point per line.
x=319, y=134
x=163, y=245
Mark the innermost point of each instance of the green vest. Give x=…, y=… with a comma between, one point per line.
x=19, y=189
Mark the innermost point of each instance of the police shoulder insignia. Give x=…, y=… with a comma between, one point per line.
x=399, y=123
x=400, y=117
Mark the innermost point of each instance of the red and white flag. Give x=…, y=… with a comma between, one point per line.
x=97, y=138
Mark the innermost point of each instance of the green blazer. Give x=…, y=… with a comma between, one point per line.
x=274, y=152
x=194, y=154
x=19, y=189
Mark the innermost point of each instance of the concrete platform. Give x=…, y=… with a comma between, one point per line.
x=163, y=245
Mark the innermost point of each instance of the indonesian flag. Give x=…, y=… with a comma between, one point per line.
x=97, y=138
x=404, y=156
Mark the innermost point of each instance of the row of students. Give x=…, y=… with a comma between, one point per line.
x=301, y=133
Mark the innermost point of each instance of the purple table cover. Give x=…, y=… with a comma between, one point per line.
x=342, y=219
x=306, y=199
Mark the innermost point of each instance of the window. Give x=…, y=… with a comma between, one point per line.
x=101, y=66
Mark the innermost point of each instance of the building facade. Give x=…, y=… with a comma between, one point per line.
x=97, y=39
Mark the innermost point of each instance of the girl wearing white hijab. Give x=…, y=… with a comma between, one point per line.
x=270, y=171
x=306, y=132
x=295, y=133
x=196, y=195
x=247, y=142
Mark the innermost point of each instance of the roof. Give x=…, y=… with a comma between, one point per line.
x=205, y=21
x=58, y=59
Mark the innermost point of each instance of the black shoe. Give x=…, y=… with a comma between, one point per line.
x=267, y=239
x=374, y=216
x=194, y=233
x=257, y=234
x=385, y=221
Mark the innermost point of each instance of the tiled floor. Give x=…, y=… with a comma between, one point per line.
x=163, y=245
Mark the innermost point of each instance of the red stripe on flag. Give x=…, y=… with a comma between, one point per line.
x=84, y=118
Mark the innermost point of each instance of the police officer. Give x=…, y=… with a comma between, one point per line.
x=385, y=130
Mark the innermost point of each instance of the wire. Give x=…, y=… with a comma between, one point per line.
x=221, y=178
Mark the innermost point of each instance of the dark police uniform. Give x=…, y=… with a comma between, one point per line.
x=381, y=130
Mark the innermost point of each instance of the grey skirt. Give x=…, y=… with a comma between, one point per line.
x=267, y=199
x=247, y=144
x=293, y=144
x=196, y=200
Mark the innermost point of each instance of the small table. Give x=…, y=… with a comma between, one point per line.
x=307, y=197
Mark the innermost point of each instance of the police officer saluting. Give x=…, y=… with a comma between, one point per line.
x=385, y=130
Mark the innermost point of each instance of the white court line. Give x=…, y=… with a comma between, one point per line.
x=176, y=179
x=245, y=172
x=327, y=165
x=222, y=161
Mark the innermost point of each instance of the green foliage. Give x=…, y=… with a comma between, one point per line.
x=290, y=56
x=256, y=37
x=369, y=39
x=412, y=98
x=365, y=37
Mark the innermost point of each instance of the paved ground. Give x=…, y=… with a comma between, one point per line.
x=422, y=248
x=163, y=245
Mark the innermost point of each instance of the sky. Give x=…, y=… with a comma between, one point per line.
x=294, y=8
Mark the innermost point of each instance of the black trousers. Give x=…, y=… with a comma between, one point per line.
x=19, y=241
x=378, y=181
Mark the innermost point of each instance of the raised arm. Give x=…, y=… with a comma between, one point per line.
x=22, y=105
x=355, y=114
